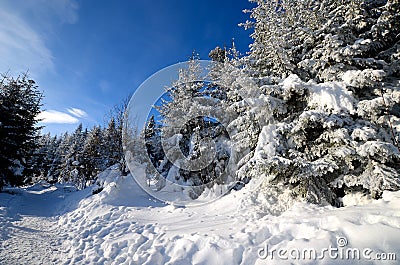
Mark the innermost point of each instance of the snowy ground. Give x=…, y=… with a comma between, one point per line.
x=28, y=225
x=123, y=225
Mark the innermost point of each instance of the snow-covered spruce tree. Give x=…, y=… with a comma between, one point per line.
x=323, y=39
x=113, y=136
x=53, y=160
x=92, y=158
x=19, y=106
x=340, y=136
x=193, y=139
x=48, y=157
x=248, y=107
x=152, y=135
x=63, y=148
x=72, y=155
x=112, y=144
x=356, y=35
x=283, y=31
x=40, y=161
x=181, y=92
x=133, y=142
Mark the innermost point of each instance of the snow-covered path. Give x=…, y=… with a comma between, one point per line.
x=31, y=240
x=29, y=226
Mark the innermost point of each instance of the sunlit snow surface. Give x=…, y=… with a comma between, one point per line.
x=122, y=225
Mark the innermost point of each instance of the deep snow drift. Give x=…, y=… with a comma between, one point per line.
x=122, y=225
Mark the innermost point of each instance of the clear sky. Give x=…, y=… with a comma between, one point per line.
x=87, y=56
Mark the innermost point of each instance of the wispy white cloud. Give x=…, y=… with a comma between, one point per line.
x=21, y=48
x=25, y=28
x=77, y=112
x=54, y=116
x=64, y=11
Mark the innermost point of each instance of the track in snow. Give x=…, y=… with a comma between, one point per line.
x=28, y=225
x=31, y=240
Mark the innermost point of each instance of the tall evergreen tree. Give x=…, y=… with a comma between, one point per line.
x=20, y=102
x=339, y=135
x=189, y=142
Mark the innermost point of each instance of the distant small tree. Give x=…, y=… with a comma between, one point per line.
x=152, y=136
x=113, y=133
x=72, y=153
x=112, y=144
x=92, y=159
x=53, y=159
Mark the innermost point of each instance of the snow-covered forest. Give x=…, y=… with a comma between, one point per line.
x=27, y=156
x=299, y=140
x=312, y=111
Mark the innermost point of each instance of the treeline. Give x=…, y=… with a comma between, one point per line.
x=27, y=156
x=79, y=156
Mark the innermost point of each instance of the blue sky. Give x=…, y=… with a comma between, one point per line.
x=87, y=56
